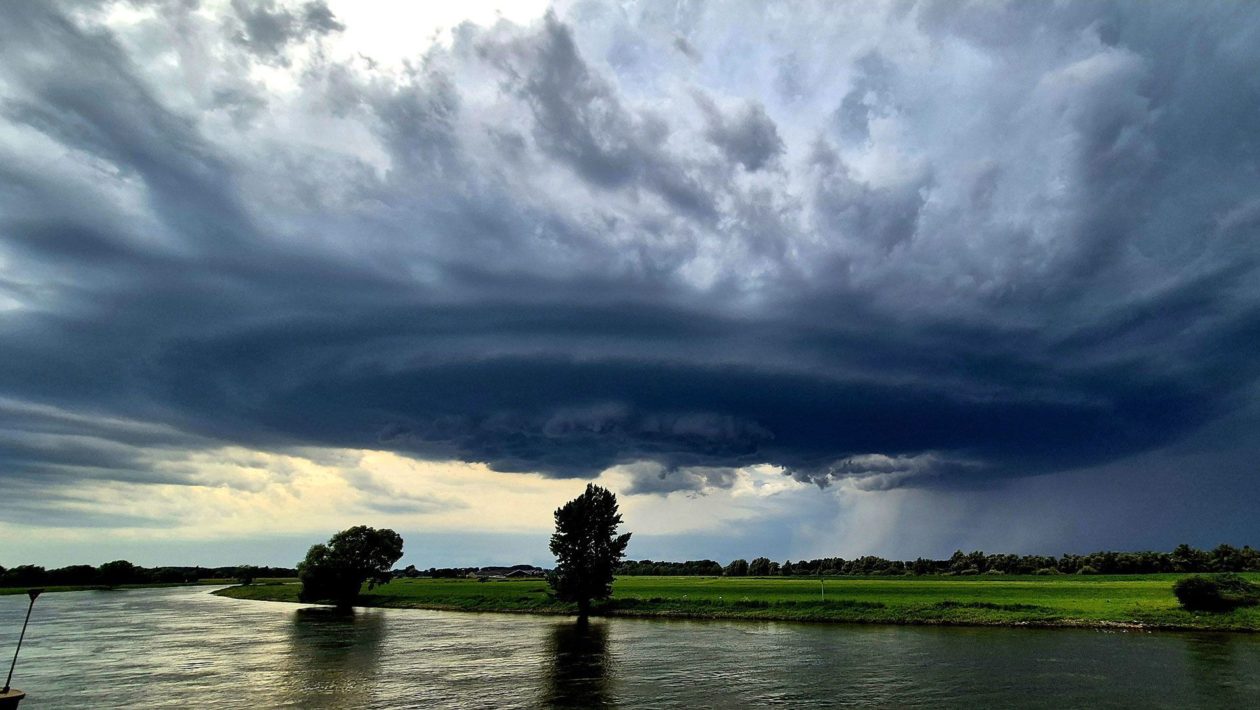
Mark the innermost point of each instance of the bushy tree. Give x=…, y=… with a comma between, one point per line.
x=587, y=548
x=1224, y=593
x=1189, y=559
x=74, y=574
x=923, y=566
x=119, y=572
x=737, y=568
x=759, y=567
x=335, y=572
x=1227, y=558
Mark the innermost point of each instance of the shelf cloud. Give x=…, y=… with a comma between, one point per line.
x=919, y=244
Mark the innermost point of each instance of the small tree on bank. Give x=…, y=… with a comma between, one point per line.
x=335, y=572
x=587, y=548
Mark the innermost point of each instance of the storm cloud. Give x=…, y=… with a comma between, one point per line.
x=902, y=244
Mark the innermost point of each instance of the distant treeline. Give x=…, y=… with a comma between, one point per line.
x=1223, y=558
x=690, y=568
x=452, y=572
x=112, y=574
x=435, y=572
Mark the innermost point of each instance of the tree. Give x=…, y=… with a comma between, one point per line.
x=119, y=572
x=1189, y=559
x=759, y=567
x=587, y=548
x=1226, y=592
x=336, y=571
x=737, y=568
x=245, y=574
x=1227, y=558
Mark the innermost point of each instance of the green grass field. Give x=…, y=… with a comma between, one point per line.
x=1097, y=601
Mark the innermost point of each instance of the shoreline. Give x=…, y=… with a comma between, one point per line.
x=837, y=612
x=9, y=591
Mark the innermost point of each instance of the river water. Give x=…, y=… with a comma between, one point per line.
x=184, y=648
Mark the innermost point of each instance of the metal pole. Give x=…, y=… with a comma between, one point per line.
x=33, y=593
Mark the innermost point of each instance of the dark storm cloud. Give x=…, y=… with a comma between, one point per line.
x=516, y=251
x=267, y=28
x=869, y=98
x=581, y=121
x=884, y=216
x=749, y=138
x=663, y=480
x=40, y=513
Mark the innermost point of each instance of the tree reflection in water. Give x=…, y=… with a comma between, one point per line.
x=333, y=657
x=580, y=669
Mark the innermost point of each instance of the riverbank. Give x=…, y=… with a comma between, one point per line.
x=1105, y=602
x=4, y=591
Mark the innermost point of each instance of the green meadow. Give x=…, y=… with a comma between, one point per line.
x=1138, y=601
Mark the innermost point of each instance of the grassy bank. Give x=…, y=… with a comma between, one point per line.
x=1139, y=601
x=4, y=591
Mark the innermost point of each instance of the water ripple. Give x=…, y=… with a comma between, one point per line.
x=182, y=647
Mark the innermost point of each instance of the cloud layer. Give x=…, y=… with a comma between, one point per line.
x=925, y=244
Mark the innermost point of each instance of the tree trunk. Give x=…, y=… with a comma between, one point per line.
x=584, y=609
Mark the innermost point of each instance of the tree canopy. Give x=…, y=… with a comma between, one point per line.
x=337, y=570
x=587, y=547
x=1224, y=593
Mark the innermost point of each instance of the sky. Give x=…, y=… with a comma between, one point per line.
x=792, y=279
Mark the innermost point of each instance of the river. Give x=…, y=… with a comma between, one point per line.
x=183, y=648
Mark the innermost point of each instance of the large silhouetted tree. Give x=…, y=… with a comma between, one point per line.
x=587, y=547
x=336, y=571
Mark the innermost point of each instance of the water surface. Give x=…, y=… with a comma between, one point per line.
x=182, y=647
